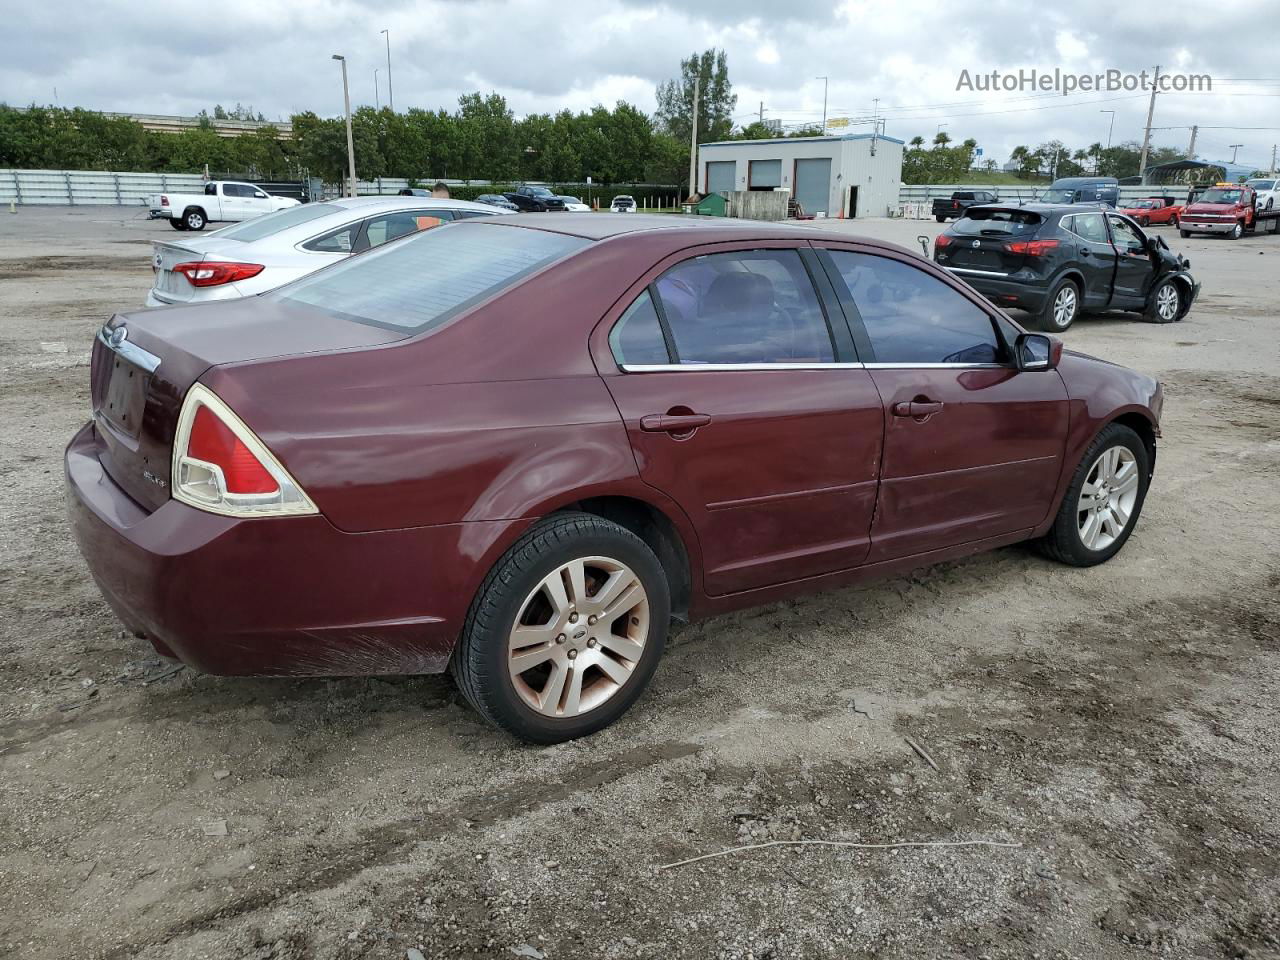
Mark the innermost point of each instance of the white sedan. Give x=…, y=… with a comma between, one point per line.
x=259, y=255
x=575, y=205
x=1268, y=191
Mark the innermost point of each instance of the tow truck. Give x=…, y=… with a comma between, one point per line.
x=1230, y=209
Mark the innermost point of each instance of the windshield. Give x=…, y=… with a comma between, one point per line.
x=1140, y=205
x=1221, y=195
x=420, y=282
x=540, y=192
x=1056, y=196
x=978, y=222
x=1262, y=184
x=277, y=222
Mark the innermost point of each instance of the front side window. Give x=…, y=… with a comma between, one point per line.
x=912, y=317
x=750, y=306
x=1126, y=235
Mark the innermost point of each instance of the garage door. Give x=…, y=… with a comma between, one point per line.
x=764, y=174
x=813, y=184
x=720, y=176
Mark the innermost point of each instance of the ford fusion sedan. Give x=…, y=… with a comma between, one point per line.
x=1061, y=262
x=250, y=258
x=452, y=453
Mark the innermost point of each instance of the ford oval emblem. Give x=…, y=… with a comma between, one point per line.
x=118, y=336
x=976, y=244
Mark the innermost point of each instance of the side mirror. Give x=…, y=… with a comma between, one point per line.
x=1037, y=351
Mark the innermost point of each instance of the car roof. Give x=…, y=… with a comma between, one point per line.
x=604, y=226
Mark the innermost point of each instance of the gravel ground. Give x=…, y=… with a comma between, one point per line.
x=1117, y=724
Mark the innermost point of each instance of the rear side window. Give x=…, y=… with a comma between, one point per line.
x=912, y=317
x=424, y=280
x=1088, y=226
x=277, y=222
x=750, y=306
x=993, y=223
x=636, y=339
x=401, y=223
x=341, y=240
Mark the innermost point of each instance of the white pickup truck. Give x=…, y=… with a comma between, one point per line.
x=221, y=200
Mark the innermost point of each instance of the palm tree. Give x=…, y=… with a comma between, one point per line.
x=917, y=143
x=941, y=139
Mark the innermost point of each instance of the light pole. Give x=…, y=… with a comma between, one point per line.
x=1235, y=147
x=824, y=104
x=351, y=150
x=377, y=105
x=391, y=97
x=1112, y=127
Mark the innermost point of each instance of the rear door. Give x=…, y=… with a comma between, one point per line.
x=236, y=203
x=973, y=448
x=1094, y=255
x=746, y=406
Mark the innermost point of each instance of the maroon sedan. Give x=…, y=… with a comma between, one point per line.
x=515, y=448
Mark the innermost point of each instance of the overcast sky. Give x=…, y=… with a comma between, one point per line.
x=173, y=57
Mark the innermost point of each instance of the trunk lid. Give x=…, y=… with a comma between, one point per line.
x=143, y=364
x=165, y=255
x=980, y=239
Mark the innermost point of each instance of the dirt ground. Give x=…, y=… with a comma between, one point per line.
x=1117, y=723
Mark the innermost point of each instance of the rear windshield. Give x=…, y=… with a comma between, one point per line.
x=420, y=282
x=1262, y=184
x=274, y=223
x=978, y=222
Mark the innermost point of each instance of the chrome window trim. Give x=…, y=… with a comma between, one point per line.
x=129, y=351
x=682, y=367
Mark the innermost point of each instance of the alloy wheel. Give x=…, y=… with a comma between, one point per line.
x=1107, y=498
x=1167, y=302
x=579, y=637
x=1064, y=307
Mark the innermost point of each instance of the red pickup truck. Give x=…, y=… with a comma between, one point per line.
x=1151, y=210
x=1223, y=208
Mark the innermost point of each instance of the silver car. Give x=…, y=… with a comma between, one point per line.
x=249, y=258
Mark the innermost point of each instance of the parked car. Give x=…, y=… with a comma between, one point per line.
x=451, y=453
x=535, y=200
x=1226, y=208
x=623, y=204
x=496, y=200
x=1059, y=262
x=1151, y=210
x=1267, y=192
x=961, y=200
x=221, y=201
x=575, y=205
x=250, y=258
x=1100, y=190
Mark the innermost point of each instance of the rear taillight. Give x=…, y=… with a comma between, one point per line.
x=219, y=465
x=211, y=273
x=164, y=201
x=940, y=241
x=1031, y=248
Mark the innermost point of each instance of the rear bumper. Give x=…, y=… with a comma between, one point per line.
x=290, y=596
x=1002, y=291
x=160, y=215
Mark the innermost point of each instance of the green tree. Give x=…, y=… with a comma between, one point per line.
x=716, y=99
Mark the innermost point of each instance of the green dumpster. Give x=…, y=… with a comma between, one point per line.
x=713, y=205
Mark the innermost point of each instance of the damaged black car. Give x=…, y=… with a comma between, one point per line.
x=1059, y=262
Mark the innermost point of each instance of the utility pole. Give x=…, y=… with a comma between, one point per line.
x=875, y=123
x=1235, y=148
x=1146, y=135
x=351, y=150
x=1112, y=127
x=377, y=104
x=1191, y=148
x=693, y=142
x=391, y=97
x=824, y=104
x=761, y=111
x=1273, y=159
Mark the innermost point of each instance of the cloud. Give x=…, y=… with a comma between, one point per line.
x=179, y=57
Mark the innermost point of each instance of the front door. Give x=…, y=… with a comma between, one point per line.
x=1134, y=268
x=973, y=448
x=742, y=408
x=1095, y=255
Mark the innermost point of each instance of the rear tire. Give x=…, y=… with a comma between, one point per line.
x=940, y=218
x=581, y=673
x=1103, y=502
x=194, y=219
x=177, y=224
x=1061, y=308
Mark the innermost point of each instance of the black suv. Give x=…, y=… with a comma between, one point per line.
x=535, y=199
x=1061, y=261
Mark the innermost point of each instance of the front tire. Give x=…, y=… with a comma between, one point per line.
x=1061, y=308
x=1173, y=222
x=1237, y=231
x=566, y=630
x=1103, y=502
x=1184, y=234
x=1165, y=303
